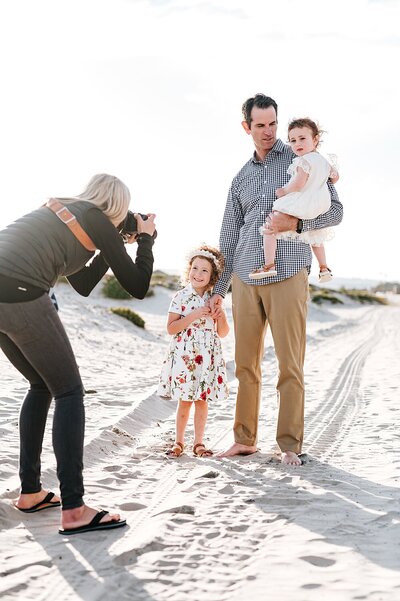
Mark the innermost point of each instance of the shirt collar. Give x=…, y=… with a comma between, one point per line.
x=193, y=291
x=278, y=147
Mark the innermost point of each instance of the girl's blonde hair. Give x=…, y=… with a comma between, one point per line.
x=213, y=255
x=108, y=193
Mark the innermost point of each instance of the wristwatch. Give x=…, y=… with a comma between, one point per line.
x=299, y=227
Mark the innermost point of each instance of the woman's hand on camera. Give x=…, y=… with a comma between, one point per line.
x=146, y=226
x=130, y=239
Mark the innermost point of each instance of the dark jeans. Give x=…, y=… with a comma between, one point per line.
x=34, y=340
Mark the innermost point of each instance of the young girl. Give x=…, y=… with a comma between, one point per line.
x=194, y=369
x=305, y=196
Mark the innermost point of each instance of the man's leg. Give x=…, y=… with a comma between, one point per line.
x=286, y=308
x=250, y=325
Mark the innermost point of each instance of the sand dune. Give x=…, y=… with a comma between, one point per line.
x=221, y=530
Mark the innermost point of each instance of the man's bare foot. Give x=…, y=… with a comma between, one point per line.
x=26, y=501
x=82, y=516
x=290, y=458
x=238, y=449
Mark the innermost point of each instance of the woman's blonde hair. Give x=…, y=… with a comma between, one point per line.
x=108, y=193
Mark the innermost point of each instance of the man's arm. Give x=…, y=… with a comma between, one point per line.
x=229, y=236
x=329, y=219
x=279, y=222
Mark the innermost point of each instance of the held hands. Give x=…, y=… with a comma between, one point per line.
x=218, y=315
x=201, y=312
x=279, y=192
x=215, y=304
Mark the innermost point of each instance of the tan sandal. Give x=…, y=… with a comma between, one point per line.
x=199, y=450
x=265, y=271
x=176, y=450
x=325, y=274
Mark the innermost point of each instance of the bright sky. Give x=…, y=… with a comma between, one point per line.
x=151, y=91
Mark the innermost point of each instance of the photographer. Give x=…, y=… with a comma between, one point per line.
x=55, y=240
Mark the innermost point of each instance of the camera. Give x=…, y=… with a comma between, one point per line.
x=129, y=226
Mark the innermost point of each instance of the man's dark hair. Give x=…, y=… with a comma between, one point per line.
x=260, y=101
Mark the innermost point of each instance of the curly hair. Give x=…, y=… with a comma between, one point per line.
x=217, y=266
x=310, y=124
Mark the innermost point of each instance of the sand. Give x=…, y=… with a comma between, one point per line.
x=222, y=530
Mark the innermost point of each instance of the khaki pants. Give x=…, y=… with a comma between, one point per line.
x=283, y=306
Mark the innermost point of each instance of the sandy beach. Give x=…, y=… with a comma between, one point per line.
x=246, y=528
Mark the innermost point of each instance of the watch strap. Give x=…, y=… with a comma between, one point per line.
x=299, y=227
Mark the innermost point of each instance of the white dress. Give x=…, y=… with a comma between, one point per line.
x=194, y=368
x=313, y=200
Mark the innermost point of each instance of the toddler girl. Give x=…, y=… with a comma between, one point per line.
x=305, y=196
x=194, y=369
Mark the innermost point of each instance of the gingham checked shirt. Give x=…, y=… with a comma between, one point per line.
x=250, y=200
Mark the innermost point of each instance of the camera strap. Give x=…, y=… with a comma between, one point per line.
x=65, y=215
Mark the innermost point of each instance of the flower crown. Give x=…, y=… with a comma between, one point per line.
x=207, y=254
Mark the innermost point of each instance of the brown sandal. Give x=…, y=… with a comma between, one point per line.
x=199, y=450
x=176, y=450
x=263, y=272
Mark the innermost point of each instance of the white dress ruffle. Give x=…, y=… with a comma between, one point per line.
x=313, y=200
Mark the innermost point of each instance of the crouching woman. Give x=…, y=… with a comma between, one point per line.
x=55, y=240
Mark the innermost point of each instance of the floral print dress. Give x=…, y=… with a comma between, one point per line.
x=194, y=368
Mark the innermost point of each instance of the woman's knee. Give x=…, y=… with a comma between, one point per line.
x=39, y=386
x=76, y=390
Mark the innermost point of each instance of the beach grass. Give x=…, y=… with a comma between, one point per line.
x=129, y=315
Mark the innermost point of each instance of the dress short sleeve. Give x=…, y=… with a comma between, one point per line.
x=176, y=304
x=299, y=162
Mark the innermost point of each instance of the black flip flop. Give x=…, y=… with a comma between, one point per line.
x=94, y=525
x=45, y=504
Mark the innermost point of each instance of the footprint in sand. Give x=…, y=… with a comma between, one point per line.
x=320, y=562
x=180, y=509
x=226, y=490
x=131, y=506
x=239, y=528
x=215, y=534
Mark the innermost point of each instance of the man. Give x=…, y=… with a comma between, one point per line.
x=281, y=300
